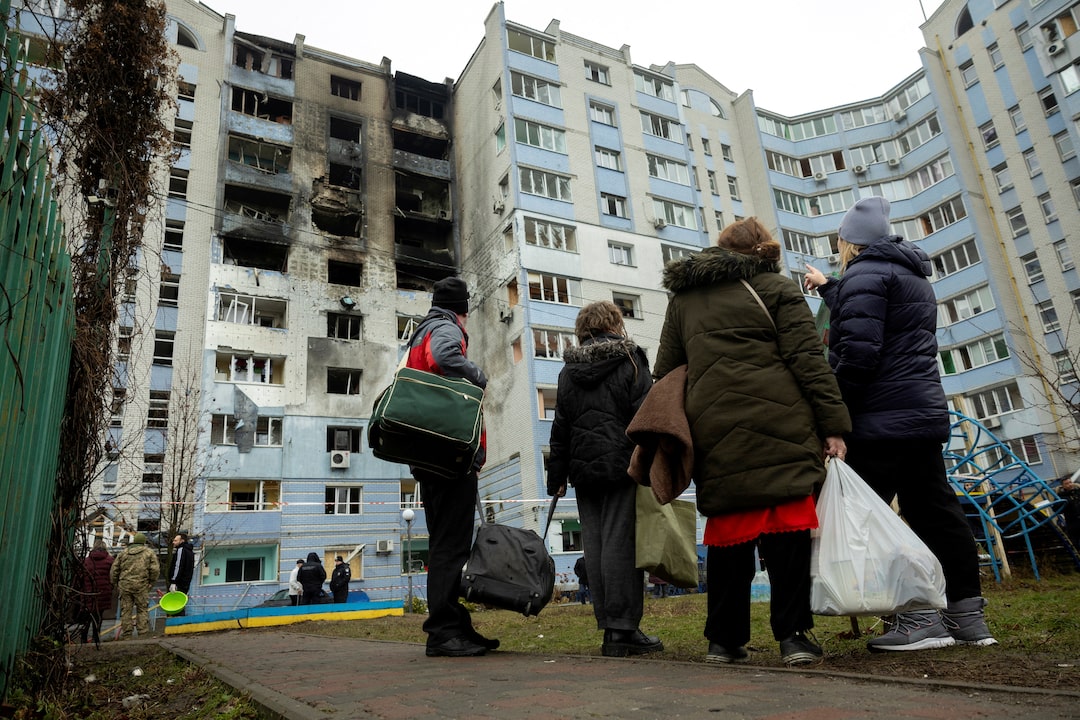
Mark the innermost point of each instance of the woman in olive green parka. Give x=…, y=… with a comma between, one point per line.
x=764, y=409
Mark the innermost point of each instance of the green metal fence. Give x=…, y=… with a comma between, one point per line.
x=36, y=329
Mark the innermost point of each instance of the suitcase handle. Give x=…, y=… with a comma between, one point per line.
x=550, y=512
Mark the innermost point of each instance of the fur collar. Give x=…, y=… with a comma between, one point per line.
x=599, y=349
x=711, y=266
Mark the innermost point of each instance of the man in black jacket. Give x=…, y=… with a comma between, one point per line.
x=339, y=580
x=183, y=565
x=312, y=575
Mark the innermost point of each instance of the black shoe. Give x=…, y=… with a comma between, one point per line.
x=720, y=654
x=456, y=647
x=620, y=643
x=799, y=650
x=489, y=643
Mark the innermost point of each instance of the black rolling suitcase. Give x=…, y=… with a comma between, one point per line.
x=509, y=567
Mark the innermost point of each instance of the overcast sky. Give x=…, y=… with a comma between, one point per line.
x=796, y=55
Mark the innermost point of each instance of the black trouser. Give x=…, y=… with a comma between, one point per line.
x=731, y=570
x=913, y=471
x=449, y=508
x=341, y=595
x=91, y=625
x=608, y=524
x=310, y=597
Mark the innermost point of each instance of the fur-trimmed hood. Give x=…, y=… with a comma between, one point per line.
x=589, y=363
x=711, y=266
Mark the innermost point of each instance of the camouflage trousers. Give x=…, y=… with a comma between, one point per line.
x=134, y=612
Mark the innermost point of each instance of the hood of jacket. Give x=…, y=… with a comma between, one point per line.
x=713, y=265
x=436, y=315
x=313, y=558
x=896, y=249
x=596, y=358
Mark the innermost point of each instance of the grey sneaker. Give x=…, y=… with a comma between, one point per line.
x=799, y=650
x=917, y=630
x=966, y=623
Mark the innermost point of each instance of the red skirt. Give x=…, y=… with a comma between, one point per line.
x=744, y=526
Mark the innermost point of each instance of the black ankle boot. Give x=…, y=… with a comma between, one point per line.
x=620, y=643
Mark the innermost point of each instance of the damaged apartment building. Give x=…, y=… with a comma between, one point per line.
x=310, y=209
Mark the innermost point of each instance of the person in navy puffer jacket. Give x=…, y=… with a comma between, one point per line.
x=883, y=348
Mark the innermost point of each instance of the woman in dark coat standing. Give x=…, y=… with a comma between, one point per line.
x=763, y=409
x=883, y=347
x=601, y=386
x=97, y=590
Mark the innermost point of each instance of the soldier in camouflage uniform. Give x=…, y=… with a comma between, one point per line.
x=133, y=574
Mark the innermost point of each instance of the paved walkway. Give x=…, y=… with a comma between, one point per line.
x=305, y=677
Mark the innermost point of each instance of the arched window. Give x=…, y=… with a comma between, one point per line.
x=185, y=36
x=964, y=22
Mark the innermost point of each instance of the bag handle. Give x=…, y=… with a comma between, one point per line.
x=760, y=302
x=547, y=525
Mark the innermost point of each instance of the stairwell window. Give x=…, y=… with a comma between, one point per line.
x=343, y=381
x=344, y=87
x=630, y=305
x=597, y=73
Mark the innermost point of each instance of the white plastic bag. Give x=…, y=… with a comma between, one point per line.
x=865, y=560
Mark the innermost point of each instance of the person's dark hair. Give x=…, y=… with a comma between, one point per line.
x=749, y=237
x=183, y=536
x=599, y=318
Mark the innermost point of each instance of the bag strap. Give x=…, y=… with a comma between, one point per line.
x=760, y=302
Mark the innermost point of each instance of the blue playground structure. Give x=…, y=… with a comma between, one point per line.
x=1005, y=501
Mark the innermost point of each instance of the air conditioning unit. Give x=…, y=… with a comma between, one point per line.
x=1055, y=48
x=834, y=259
x=659, y=223
x=498, y=206
x=384, y=546
x=991, y=423
x=820, y=176
x=339, y=459
x=899, y=115
x=859, y=169
x=894, y=162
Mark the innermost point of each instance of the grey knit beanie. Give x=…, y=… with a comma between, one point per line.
x=866, y=222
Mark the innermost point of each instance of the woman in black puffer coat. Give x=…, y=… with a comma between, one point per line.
x=601, y=387
x=883, y=348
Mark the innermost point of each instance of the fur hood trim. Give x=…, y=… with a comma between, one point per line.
x=600, y=349
x=711, y=266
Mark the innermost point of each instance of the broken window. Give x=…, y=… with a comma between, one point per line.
x=267, y=430
x=261, y=105
x=343, y=438
x=420, y=144
x=269, y=158
x=257, y=204
x=344, y=87
x=419, y=104
x=246, y=495
x=260, y=60
x=116, y=407
x=423, y=195
x=343, y=129
x=345, y=176
x=342, y=381
x=255, y=254
x=417, y=276
x=339, y=272
x=252, y=310
x=245, y=367
x=343, y=326
x=337, y=222
x=185, y=91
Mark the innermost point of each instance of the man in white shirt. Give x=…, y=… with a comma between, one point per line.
x=295, y=589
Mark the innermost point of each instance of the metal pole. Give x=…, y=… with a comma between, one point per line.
x=408, y=515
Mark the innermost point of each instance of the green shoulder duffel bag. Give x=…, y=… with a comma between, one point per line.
x=428, y=421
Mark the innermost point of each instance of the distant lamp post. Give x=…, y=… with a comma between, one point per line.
x=407, y=515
